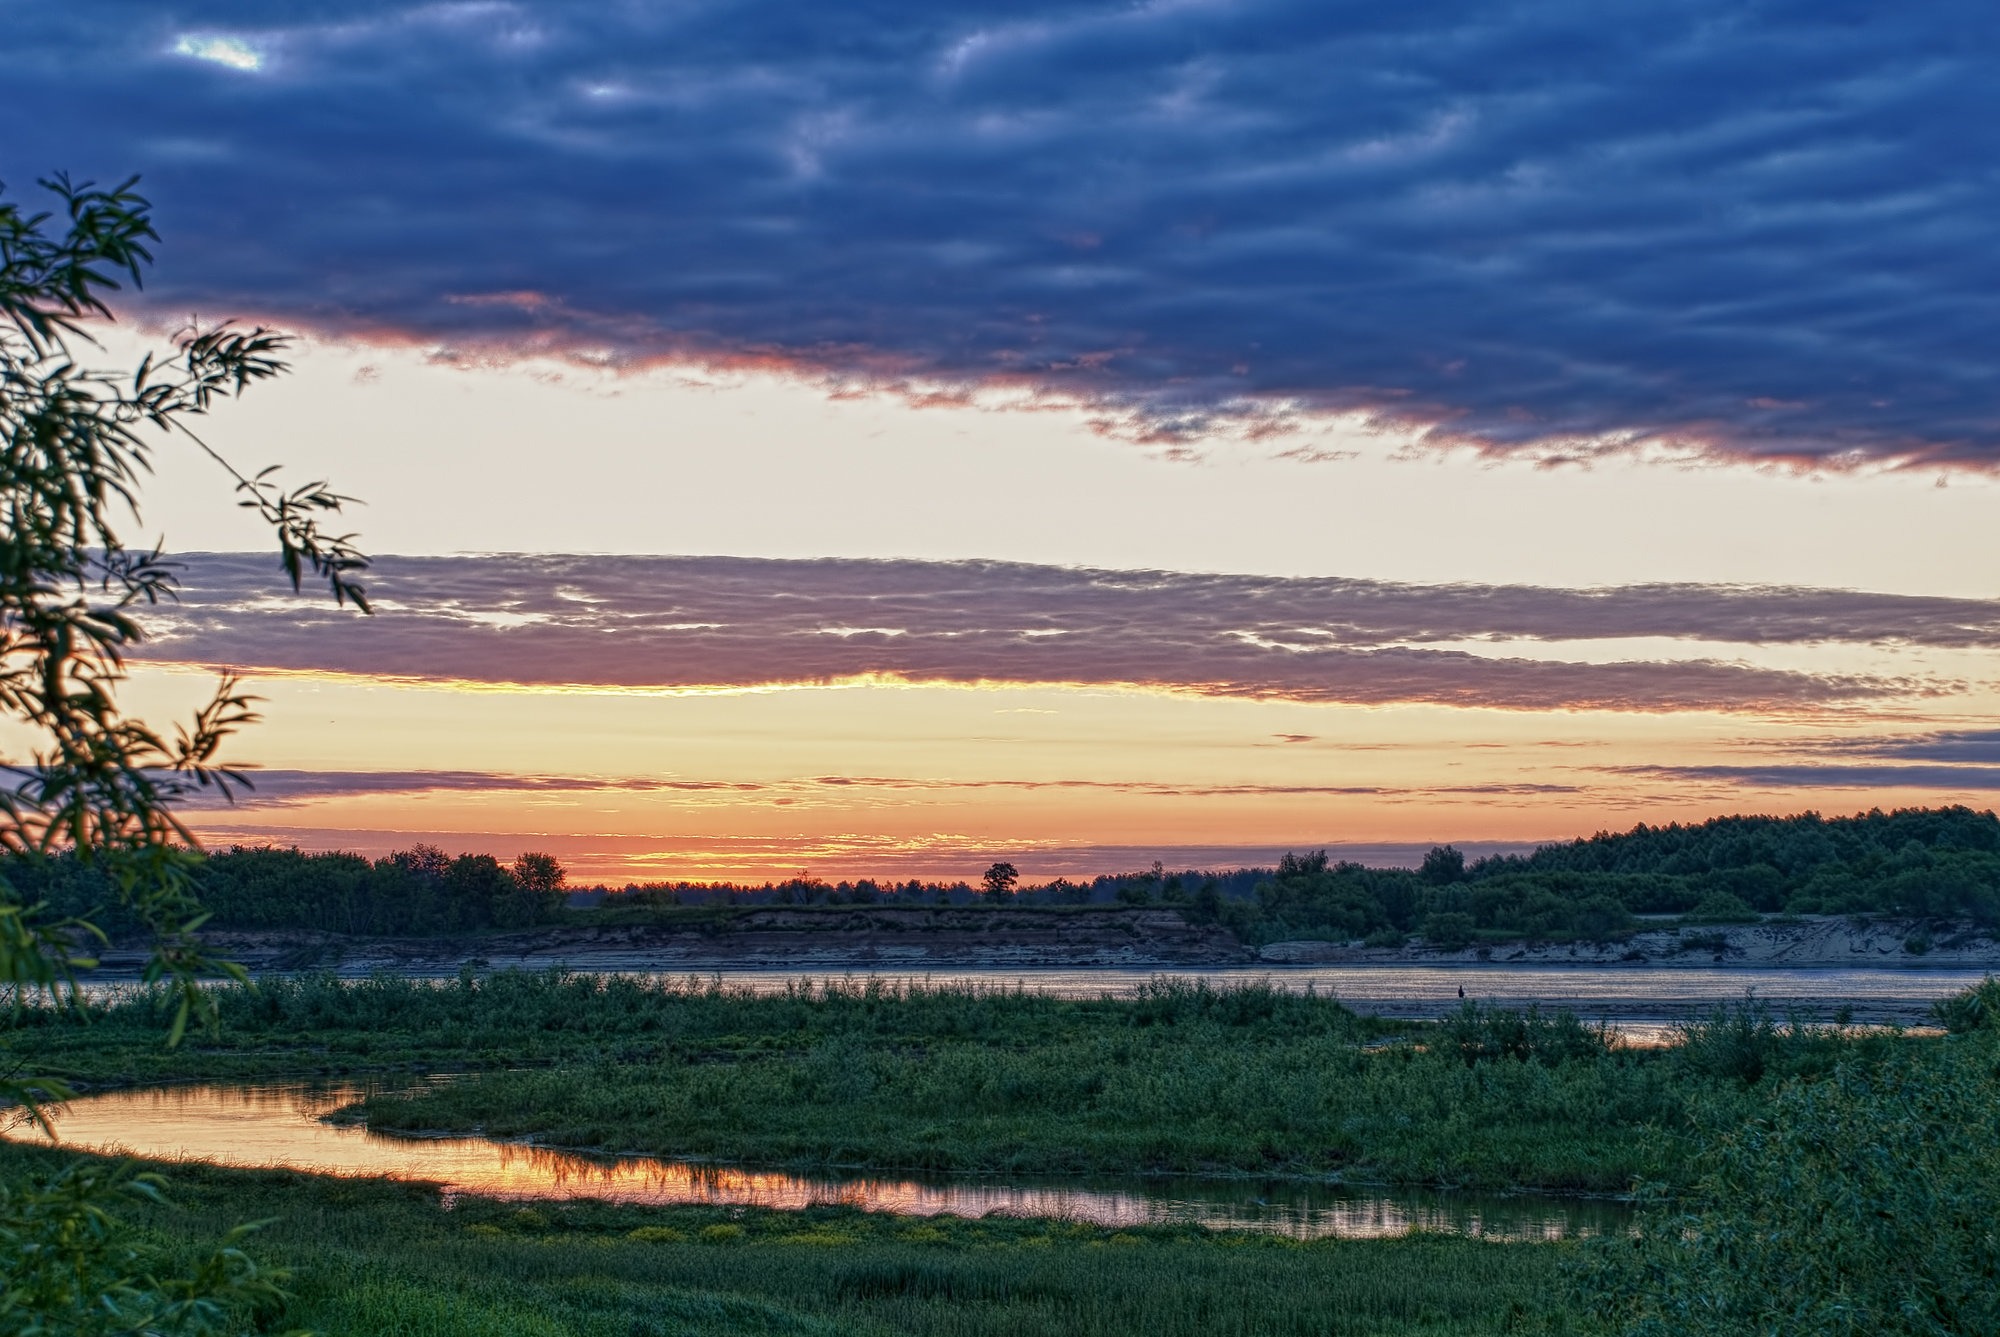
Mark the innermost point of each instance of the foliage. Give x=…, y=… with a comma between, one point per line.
x=1000, y=880
x=1918, y=863
x=418, y=890
x=1913, y=862
x=1722, y=907
x=71, y=1263
x=100, y=782
x=74, y=445
x=1449, y=930
x=1862, y=1202
x=413, y=891
x=1307, y=898
x=1971, y=1009
x=1482, y=1034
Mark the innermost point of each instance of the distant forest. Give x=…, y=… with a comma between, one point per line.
x=420, y=890
x=1914, y=863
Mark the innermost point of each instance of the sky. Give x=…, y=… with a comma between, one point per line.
x=880, y=439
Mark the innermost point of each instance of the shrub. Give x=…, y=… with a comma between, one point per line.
x=1862, y=1203
x=1745, y=1041
x=1450, y=931
x=1483, y=1034
x=1969, y=1009
x=1722, y=907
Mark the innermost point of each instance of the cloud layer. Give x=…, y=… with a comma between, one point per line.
x=290, y=788
x=668, y=622
x=1764, y=226
x=1960, y=760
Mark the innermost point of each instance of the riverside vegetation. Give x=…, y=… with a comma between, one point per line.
x=1180, y=1078
x=1798, y=1178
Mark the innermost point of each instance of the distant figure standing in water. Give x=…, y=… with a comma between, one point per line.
x=1461, y=991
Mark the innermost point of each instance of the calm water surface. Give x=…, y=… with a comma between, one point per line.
x=270, y=1126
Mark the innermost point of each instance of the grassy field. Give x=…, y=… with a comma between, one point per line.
x=1193, y=1099
x=376, y=1259
x=1178, y=1079
x=1807, y=1180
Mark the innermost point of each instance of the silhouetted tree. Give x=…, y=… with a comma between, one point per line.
x=1443, y=864
x=543, y=878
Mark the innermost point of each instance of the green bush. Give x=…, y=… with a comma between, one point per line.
x=1744, y=1041
x=1861, y=1203
x=1450, y=931
x=1970, y=1009
x=1479, y=1033
x=1722, y=907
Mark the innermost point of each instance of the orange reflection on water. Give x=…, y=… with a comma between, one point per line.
x=264, y=1127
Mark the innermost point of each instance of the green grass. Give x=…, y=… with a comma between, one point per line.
x=386, y=1260
x=1177, y=1079
x=1197, y=1099
x=319, y=1025
x=1816, y=1181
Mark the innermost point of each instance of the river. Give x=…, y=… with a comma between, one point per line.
x=270, y=1126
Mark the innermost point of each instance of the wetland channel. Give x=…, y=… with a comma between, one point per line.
x=285, y=1125
x=270, y=1126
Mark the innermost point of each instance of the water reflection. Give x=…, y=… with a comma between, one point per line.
x=282, y=1127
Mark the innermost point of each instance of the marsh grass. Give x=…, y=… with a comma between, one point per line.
x=316, y=1023
x=1176, y=1078
x=1805, y=1179
x=1855, y=1202
x=1196, y=1099
x=379, y=1258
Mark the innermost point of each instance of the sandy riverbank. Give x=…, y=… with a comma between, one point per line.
x=1817, y=942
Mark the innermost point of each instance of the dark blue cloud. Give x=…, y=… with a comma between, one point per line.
x=1762, y=225
x=1970, y=747
x=1962, y=760
x=1957, y=779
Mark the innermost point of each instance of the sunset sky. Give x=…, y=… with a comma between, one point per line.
x=886, y=438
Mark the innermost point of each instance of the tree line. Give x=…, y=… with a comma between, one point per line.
x=415, y=891
x=1150, y=887
x=1914, y=863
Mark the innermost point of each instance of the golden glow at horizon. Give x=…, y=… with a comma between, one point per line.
x=902, y=778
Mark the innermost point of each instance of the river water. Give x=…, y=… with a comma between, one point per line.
x=282, y=1126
